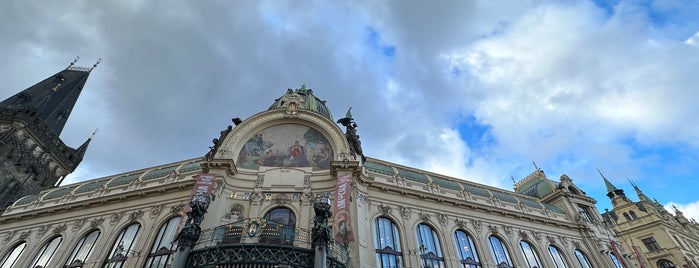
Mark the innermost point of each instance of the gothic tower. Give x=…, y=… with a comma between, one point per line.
x=32, y=155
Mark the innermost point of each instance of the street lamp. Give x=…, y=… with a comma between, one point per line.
x=321, y=230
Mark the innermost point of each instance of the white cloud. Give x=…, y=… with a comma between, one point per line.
x=690, y=210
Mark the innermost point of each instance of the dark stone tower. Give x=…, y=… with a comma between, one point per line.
x=32, y=155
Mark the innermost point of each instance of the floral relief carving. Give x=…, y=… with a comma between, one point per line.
x=385, y=210
x=60, y=228
x=42, y=230
x=135, y=215
x=282, y=199
x=537, y=235
x=442, y=219
x=77, y=224
x=478, y=225
x=156, y=210
x=115, y=217
x=493, y=229
x=177, y=208
x=508, y=230
x=423, y=216
x=9, y=235
x=405, y=212
x=460, y=223
x=25, y=235
x=523, y=235
x=96, y=222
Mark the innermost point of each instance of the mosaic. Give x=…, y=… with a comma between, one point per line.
x=286, y=145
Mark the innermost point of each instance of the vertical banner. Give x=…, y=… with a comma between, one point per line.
x=638, y=257
x=342, y=222
x=619, y=256
x=205, y=183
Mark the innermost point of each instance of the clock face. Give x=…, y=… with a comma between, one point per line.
x=286, y=145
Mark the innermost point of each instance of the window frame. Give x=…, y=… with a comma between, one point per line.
x=163, y=245
x=40, y=258
x=429, y=245
x=651, y=244
x=507, y=262
x=467, y=258
x=6, y=257
x=555, y=252
x=77, y=251
x=532, y=253
x=117, y=261
x=386, y=229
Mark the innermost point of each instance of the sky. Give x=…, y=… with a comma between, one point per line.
x=479, y=90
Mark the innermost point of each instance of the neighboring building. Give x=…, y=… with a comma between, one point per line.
x=269, y=170
x=33, y=157
x=652, y=235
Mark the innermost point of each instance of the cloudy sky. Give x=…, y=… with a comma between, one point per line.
x=472, y=89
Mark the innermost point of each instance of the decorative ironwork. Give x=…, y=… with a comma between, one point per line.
x=230, y=246
x=189, y=235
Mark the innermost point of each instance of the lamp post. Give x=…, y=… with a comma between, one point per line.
x=189, y=235
x=321, y=230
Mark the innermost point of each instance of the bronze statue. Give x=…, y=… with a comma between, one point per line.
x=351, y=135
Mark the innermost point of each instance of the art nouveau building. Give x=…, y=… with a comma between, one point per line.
x=268, y=171
x=653, y=236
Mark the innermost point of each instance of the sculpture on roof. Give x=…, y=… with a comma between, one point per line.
x=351, y=134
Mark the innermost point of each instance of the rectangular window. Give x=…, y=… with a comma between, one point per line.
x=584, y=214
x=651, y=244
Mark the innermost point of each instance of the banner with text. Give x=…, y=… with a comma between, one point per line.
x=205, y=183
x=342, y=222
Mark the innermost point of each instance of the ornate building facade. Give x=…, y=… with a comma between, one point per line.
x=653, y=236
x=261, y=197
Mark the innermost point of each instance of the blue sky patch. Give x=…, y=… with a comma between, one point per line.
x=373, y=40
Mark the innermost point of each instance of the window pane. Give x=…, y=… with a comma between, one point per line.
x=387, y=243
x=582, y=259
x=468, y=256
x=500, y=254
x=557, y=257
x=430, y=250
x=615, y=261
x=11, y=257
x=82, y=249
x=162, y=248
x=122, y=246
x=530, y=255
x=46, y=252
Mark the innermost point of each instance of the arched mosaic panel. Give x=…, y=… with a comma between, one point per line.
x=286, y=145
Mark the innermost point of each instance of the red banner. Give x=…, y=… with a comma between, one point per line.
x=342, y=222
x=641, y=262
x=205, y=183
x=617, y=254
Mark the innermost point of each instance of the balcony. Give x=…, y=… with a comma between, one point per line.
x=260, y=243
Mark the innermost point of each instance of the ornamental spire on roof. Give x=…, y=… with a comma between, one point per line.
x=54, y=97
x=610, y=186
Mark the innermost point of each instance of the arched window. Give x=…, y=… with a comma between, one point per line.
x=387, y=242
x=633, y=214
x=468, y=255
x=582, y=259
x=12, y=256
x=500, y=253
x=626, y=216
x=281, y=227
x=530, y=255
x=665, y=264
x=162, y=248
x=615, y=261
x=46, y=252
x=82, y=249
x=557, y=257
x=430, y=249
x=122, y=246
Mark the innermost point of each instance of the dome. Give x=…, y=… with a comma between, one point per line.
x=302, y=99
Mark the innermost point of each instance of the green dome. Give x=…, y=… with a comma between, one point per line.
x=303, y=99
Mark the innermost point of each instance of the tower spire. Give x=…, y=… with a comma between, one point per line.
x=54, y=97
x=610, y=187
